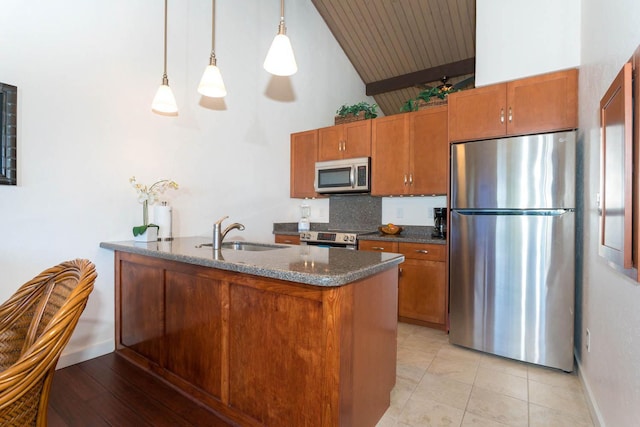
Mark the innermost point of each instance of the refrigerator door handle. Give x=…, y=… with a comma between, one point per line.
x=514, y=212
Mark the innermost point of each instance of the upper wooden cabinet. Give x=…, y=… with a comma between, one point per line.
x=304, y=151
x=544, y=103
x=345, y=141
x=410, y=153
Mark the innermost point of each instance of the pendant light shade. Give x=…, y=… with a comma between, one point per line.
x=280, y=60
x=164, y=101
x=211, y=83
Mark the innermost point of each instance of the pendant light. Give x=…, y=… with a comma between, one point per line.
x=211, y=83
x=164, y=102
x=280, y=60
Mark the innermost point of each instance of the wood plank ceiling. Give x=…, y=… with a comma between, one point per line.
x=395, y=45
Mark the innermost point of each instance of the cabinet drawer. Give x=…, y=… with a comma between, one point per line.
x=378, y=246
x=423, y=251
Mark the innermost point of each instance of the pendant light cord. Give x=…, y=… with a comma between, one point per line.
x=165, y=80
x=281, y=28
x=212, y=60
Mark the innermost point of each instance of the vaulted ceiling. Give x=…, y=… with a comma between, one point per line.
x=399, y=46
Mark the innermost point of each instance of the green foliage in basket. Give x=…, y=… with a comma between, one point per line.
x=370, y=111
x=426, y=95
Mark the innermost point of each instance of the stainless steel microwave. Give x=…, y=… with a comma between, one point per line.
x=343, y=176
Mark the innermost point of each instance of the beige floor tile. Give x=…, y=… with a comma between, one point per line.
x=437, y=381
x=409, y=371
x=501, y=364
x=426, y=413
x=472, y=420
x=500, y=382
x=540, y=416
x=451, y=351
x=454, y=368
x=415, y=357
x=400, y=395
x=554, y=377
x=498, y=407
x=422, y=343
x=387, y=420
x=433, y=334
x=564, y=399
x=443, y=390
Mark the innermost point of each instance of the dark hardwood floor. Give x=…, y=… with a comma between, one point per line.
x=110, y=391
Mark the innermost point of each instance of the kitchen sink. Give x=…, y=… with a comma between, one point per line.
x=245, y=246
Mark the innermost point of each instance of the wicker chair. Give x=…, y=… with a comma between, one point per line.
x=35, y=325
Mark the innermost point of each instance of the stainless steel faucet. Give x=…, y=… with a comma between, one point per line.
x=218, y=236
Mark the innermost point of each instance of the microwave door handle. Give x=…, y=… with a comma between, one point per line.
x=352, y=177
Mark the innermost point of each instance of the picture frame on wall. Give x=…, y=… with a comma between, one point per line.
x=8, y=134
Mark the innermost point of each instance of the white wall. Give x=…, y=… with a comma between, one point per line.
x=610, y=301
x=520, y=38
x=86, y=74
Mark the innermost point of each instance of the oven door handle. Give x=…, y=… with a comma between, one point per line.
x=352, y=177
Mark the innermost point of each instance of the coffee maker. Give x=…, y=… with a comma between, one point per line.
x=440, y=223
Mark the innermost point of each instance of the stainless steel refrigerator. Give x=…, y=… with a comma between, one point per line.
x=512, y=247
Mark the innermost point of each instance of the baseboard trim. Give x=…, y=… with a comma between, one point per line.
x=596, y=417
x=86, y=353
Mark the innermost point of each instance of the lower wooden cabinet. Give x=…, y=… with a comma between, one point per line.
x=261, y=351
x=422, y=286
x=287, y=239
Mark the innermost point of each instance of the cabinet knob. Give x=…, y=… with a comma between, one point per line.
x=502, y=115
x=377, y=248
x=422, y=251
x=405, y=179
x=510, y=115
x=410, y=179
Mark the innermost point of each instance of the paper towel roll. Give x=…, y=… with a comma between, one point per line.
x=162, y=218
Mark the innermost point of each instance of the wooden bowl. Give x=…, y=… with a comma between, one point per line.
x=386, y=230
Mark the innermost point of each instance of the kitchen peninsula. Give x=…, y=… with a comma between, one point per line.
x=289, y=335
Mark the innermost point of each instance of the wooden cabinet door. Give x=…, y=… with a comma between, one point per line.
x=422, y=291
x=345, y=141
x=287, y=239
x=330, y=143
x=390, y=156
x=357, y=139
x=194, y=327
x=304, y=151
x=478, y=113
x=276, y=350
x=142, y=310
x=428, y=151
x=544, y=103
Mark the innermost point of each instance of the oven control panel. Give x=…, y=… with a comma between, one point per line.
x=328, y=237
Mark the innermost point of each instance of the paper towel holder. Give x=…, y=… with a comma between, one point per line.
x=165, y=231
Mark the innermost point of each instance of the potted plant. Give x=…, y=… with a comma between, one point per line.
x=359, y=111
x=425, y=97
x=148, y=196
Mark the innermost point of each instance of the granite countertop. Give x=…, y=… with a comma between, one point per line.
x=309, y=265
x=410, y=234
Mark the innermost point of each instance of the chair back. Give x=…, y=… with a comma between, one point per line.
x=36, y=324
